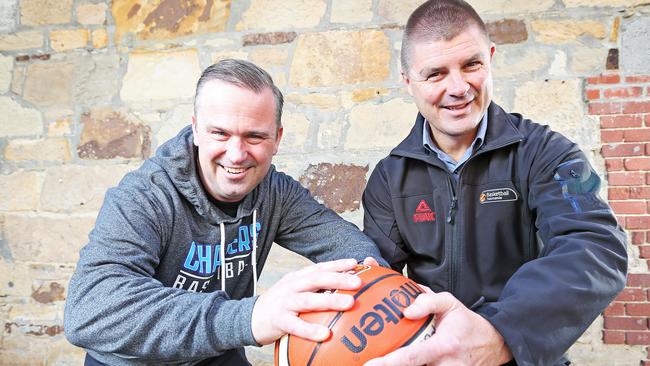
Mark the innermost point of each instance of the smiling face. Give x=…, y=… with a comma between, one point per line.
x=236, y=134
x=451, y=83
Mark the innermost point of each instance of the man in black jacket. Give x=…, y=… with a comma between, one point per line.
x=498, y=215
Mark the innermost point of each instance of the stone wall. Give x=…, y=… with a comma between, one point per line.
x=89, y=88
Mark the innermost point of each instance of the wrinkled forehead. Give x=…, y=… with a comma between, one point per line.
x=461, y=49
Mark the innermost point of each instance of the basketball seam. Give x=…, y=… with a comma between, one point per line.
x=340, y=313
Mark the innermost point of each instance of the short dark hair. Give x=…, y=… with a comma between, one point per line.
x=243, y=74
x=437, y=20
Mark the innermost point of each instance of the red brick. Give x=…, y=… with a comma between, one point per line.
x=645, y=363
x=613, y=337
x=626, y=323
x=614, y=165
x=604, y=79
x=632, y=294
x=620, y=220
x=611, y=136
x=644, y=251
x=638, y=280
x=647, y=120
x=615, y=308
x=634, y=107
x=621, y=121
x=637, y=237
x=640, y=338
x=647, y=148
x=636, y=163
x=625, y=178
x=618, y=193
x=637, y=222
x=612, y=150
x=605, y=108
x=639, y=192
x=637, y=79
x=630, y=207
x=628, y=92
x=647, y=178
x=637, y=135
x=592, y=94
x=637, y=309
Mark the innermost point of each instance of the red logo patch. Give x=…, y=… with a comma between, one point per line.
x=423, y=213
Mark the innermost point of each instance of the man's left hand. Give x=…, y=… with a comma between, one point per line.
x=462, y=337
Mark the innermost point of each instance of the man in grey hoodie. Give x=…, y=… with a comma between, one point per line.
x=170, y=271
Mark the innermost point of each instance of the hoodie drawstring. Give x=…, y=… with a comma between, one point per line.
x=222, y=254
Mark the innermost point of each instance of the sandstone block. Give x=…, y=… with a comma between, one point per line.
x=362, y=95
x=288, y=14
x=60, y=127
x=68, y=39
x=337, y=186
x=48, y=239
x=222, y=55
x=567, y=114
x=513, y=61
x=344, y=11
x=487, y=7
x=19, y=191
x=6, y=70
x=108, y=134
x=296, y=131
x=563, y=31
x=160, y=75
x=602, y=3
x=397, y=11
x=90, y=184
x=635, y=52
x=507, y=31
x=168, y=19
x=59, y=78
x=320, y=100
x=91, y=13
x=8, y=11
x=23, y=121
x=99, y=38
x=271, y=38
x=317, y=58
x=180, y=117
x=97, y=79
x=587, y=61
x=382, y=125
x=39, y=12
x=21, y=40
x=330, y=134
x=267, y=58
x=51, y=149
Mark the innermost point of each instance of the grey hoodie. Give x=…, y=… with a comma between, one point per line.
x=148, y=285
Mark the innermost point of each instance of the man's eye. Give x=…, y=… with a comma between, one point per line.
x=474, y=65
x=255, y=139
x=218, y=134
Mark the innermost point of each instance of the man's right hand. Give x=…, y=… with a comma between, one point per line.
x=276, y=311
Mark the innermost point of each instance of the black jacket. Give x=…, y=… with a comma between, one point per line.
x=523, y=238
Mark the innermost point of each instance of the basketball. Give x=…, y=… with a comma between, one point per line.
x=373, y=327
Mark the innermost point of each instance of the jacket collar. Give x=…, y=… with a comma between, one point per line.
x=501, y=131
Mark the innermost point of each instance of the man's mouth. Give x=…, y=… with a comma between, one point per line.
x=457, y=106
x=233, y=170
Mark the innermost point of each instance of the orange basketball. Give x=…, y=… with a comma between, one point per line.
x=373, y=327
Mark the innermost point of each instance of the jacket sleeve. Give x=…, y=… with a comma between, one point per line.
x=316, y=232
x=551, y=300
x=115, y=305
x=379, y=220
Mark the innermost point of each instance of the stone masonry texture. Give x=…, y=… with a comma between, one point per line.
x=90, y=88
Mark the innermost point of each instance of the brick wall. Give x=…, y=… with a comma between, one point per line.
x=622, y=104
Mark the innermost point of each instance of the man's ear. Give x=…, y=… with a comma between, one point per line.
x=194, y=129
x=277, y=140
x=493, y=48
x=407, y=81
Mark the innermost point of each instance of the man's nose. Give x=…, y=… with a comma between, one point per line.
x=457, y=86
x=236, y=150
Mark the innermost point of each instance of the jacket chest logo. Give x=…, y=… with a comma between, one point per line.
x=498, y=195
x=423, y=213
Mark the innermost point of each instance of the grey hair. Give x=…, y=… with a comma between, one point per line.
x=437, y=20
x=243, y=74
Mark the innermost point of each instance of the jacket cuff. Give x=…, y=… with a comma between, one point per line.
x=513, y=338
x=231, y=324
